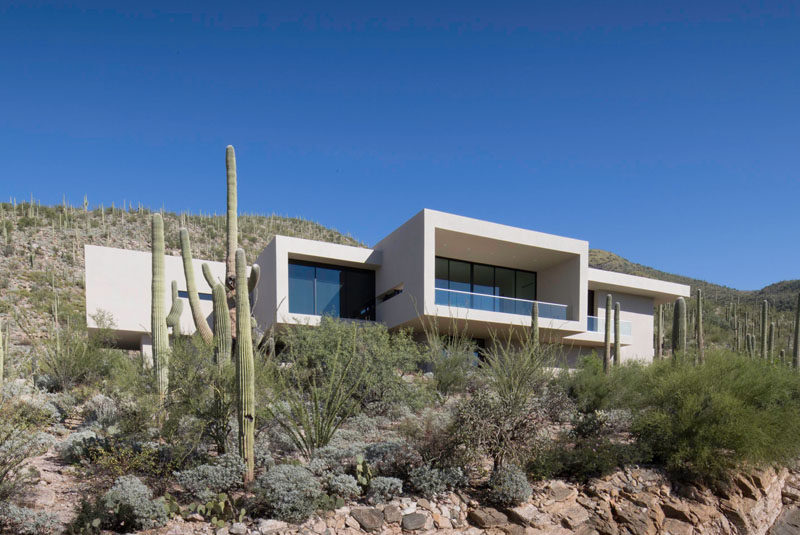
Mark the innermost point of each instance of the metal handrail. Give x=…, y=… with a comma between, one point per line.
x=502, y=297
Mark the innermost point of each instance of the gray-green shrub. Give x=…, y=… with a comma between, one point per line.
x=383, y=489
x=208, y=480
x=76, y=447
x=429, y=481
x=24, y=521
x=343, y=485
x=508, y=486
x=287, y=492
x=129, y=506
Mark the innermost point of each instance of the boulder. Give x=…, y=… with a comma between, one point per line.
x=369, y=518
x=413, y=521
x=392, y=514
x=487, y=517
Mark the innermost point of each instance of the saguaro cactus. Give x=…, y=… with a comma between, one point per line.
x=535, y=324
x=764, y=316
x=796, y=348
x=223, y=341
x=174, y=317
x=679, y=327
x=233, y=234
x=2, y=359
x=158, y=322
x=701, y=354
x=245, y=378
x=771, y=341
x=659, y=331
x=617, y=342
x=200, y=322
x=607, y=354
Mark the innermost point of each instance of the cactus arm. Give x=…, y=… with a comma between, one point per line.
x=174, y=316
x=252, y=284
x=209, y=276
x=223, y=344
x=232, y=233
x=191, y=288
x=158, y=323
x=244, y=367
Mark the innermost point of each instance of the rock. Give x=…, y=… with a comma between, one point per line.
x=787, y=524
x=676, y=527
x=425, y=504
x=487, y=517
x=266, y=526
x=351, y=522
x=222, y=531
x=392, y=514
x=513, y=529
x=526, y=514
x=319, y=527
x=369, y=518
x=560, y=491
x=634, y=518
x=413, y=521
x=238, y=529
x=677, y=510
x=441, y=522
x=574, y=517
x=195, y=517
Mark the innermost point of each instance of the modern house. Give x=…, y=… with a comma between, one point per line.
x=461, y=273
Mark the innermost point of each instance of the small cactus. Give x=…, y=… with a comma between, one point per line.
x=174, y=316
x=617, y=342
x=245, y=378
x=607, y=354
x=679, y=327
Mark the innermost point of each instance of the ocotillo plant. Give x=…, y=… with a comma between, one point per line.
x=158, y=322
x=659, y=331
x=245, y=377
x=191, y=288
x=796, y=348
x=607, y=354
x=679, y=328
x=701, y=356
x=535, y=324
x=764, y=315
x=174, y=317
x=617, y=341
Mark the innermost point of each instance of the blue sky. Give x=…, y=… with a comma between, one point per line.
x=666, y=132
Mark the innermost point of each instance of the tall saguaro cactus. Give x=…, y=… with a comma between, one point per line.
x=158, y=321
x=771, y=342
x=764, y=317
x=659, y=331
x=701, y=352
x=535, y=324
x=2, y=360
x=796, y=348
x=233, y=234
x=617, y=342
x=245, y=378
x=607, y=354
x=200, y=322
x=679, y=327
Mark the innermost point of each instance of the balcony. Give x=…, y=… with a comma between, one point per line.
x=495, y=303
x=594, y=325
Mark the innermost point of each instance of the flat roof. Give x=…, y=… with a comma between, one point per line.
x=662, y=291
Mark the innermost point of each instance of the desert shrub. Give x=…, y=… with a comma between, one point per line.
x=700, y=422
x=262, y=454
x=451, y=358
x=100, y=410
x=508, y=486
x=24, y=521
x=431, y=437
x=19, y=439
x=207, y=480
x=287, y=492
x=77, y=446
x=129, y=506
x=313, y=399
x=343, y=485
x=334, y=458
x=381, y=356
x=394, y=459
x=429, y=481
x=383, y=489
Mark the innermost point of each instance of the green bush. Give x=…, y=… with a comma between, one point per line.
x=287, y=492
x=508, y=486
x=206, y=481
x=77, y=446
x=429, y=481
x=19, y=439
x=344, y=486
x=701, y=422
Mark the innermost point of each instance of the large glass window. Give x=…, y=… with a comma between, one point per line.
x=483, y=287
x=340, y=292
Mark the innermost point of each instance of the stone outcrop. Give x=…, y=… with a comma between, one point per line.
x=629, y=502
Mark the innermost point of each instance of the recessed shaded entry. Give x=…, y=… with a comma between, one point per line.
x=322, y=289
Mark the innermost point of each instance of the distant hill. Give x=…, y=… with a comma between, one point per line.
x=781, y=295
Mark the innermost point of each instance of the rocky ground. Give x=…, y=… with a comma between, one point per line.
x=630, y=502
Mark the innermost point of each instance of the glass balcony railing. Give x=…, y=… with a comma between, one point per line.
x=496, y=303
x=593, y=324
